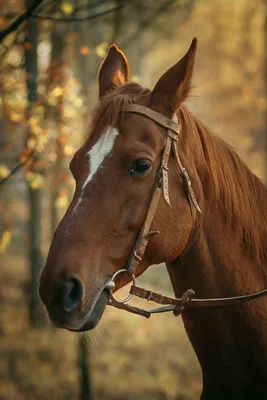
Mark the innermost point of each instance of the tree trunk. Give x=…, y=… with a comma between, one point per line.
x=265, y=89
x=36, y=314
x=57, y=70
x=84, y=368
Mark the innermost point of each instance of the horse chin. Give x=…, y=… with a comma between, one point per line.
x=96, y=314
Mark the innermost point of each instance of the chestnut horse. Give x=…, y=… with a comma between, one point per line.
x=115, y=172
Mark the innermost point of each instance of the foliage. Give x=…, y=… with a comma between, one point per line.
x=37, y=143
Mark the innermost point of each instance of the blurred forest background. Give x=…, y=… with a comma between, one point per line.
x=50, y=52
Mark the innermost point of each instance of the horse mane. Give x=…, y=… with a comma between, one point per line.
x=231, y=188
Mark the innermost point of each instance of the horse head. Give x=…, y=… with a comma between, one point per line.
x=115, y=171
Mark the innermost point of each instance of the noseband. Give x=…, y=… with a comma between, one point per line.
x=177, y=305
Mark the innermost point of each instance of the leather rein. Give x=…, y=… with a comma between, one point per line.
x=176, y=305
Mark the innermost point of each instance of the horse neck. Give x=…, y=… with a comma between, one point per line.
x=230, y=342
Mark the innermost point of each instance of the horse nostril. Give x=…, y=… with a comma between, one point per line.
x=72, y=294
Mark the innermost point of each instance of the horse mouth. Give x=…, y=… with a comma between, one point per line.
x=96, y=313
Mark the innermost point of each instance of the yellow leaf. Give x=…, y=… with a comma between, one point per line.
x=52, y=101
x=31, y=143
x=42, y=139
x=66, y=8
x=70, y=112
x=40, y=109
x=101, y=49
x=32, y=121
x=4, y=171
x=57, y=92
x=62, y=201
x=35, y=180
x=68, y=150
x=5, y=240
x=16, y=117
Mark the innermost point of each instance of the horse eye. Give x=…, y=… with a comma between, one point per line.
x=140, y=167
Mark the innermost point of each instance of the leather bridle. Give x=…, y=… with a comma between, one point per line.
x=177, y=305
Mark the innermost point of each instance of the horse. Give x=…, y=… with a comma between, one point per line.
x=208, y=224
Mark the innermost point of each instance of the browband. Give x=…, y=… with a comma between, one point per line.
x=154, y=115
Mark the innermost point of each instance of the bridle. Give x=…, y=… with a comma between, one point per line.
x=161, y=186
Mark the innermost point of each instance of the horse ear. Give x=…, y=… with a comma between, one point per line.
x=174, y=86
x=113, y=72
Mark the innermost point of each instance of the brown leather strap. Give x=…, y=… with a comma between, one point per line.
x=145, y=233
x=123, y=306
x=154, y=115
x=215, y=302
x=178, y=305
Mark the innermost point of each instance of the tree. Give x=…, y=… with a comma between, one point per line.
x=36, y=315
x=84, y=370
x=265, y=87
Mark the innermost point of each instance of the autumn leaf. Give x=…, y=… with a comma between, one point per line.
x=16, y=117
x=4, y=171
x=27, y=46
x=25, y=155
x=33, y=121
x=31, y=142
x=101, y=49
x=57, y=77
x=62, y=201
x=57, y=92
x=66, y=8
x=5, y=240
x=68, y=150
x=35, y=180
x=3, y=22
x=84, y=50
x=61, y=139
x=41, y=141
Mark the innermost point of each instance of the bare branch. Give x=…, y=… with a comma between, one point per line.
x=20, y=19
x=76, y=19
x=18, y=167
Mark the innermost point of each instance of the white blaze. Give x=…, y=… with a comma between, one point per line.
x=99, y=151
x=97, y=154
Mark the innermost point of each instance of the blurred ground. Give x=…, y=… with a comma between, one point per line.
x=131, y=357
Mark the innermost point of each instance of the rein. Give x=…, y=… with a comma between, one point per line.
x=176, y=305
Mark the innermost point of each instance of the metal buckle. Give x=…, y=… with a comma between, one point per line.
x=110, y=285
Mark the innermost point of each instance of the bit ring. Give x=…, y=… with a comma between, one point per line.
x=111, y=285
